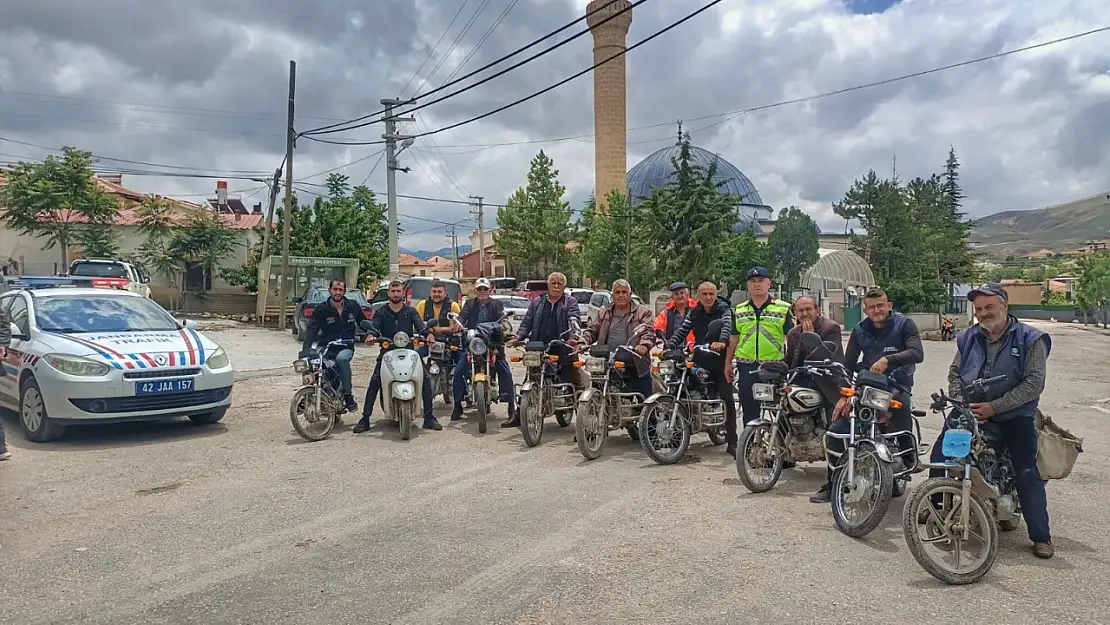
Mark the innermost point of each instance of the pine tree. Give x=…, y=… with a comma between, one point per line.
x=534, y=226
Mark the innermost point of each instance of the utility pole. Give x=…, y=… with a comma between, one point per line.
x=628, y=249
x=391, y=169
x=480, y=211
x=286, y=214
x=454, y=238
x=266, y=243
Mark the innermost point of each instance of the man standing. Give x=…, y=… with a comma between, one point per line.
x=394, y=317
x=337, y=319
x=613, y=328
x=1001, y=345
x=885, y=342
x=484, y=309
x=675, y=312
x=710, y=308
x=759, y=336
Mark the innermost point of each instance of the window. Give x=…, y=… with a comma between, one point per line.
x=99, y=270
x=18, y=315
x=100, y=313
x=598, y=300
x=583, y=297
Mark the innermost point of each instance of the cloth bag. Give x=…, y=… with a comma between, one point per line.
x=1057, y=448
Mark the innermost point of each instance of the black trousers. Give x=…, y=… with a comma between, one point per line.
x=725, y=389
x=901, y=420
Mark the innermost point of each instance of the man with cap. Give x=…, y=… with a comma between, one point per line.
x=759, y=335
x=484, y=309
x=1001, y=345
x=675, y=313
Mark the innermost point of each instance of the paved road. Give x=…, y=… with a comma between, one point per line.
x=245, y=523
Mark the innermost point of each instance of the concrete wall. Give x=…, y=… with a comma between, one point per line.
x=1065, y=314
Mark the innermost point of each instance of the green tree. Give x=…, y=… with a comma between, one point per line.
x=1052, y=298
x=740, y=252
x=614, y=246
x=205, y=238
x=156, y=221
x=534, y=226
x=792, y=246
x=56, y=200
x=98, y=241
x=688, y=220
x=1092, y=290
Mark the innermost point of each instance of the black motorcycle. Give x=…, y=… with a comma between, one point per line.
x=543, y=392
x=318, y=404
x=482, y=344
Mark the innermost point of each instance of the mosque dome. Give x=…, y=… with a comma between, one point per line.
x=658, y=169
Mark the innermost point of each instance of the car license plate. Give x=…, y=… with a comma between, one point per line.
x=163, y=386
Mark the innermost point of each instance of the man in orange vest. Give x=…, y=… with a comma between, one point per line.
x=675, y=313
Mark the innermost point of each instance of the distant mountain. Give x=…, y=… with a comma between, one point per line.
x=445, y=252
x=1057, y=228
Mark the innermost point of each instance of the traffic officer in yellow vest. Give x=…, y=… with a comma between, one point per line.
x=759, y=335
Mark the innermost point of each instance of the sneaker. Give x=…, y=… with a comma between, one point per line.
x=1044, y=550
x=823, y=495
x=432, y=424
x=731, y=449
x=4, y=453
x=362, y=425
x=349, y=403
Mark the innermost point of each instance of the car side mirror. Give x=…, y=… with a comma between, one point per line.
x=144, y=279
x=189, y=324
x=17, y=333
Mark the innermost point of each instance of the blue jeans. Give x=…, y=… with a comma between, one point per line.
x=3, y=441
x=343, y=368
x=504, y=383
x=1020, y=437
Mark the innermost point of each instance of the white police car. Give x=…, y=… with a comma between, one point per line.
x=94, y=355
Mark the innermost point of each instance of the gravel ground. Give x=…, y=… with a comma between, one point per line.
x=243, y=522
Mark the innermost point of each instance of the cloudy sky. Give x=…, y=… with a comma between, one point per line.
x=201, y=86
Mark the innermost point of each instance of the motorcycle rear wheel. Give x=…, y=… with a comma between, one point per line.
x=531, y=421
x=885, y=486
x=660, y=414
x=403, y=411
x=744, y=468
x=481, y=392
x=304, y=402
x=591, y=427
x=979, y=515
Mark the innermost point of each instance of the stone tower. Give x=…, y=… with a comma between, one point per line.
x=610, y=97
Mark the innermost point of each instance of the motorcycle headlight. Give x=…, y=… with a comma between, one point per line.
x=596, y=366
x=531, y=359
x=437, y=348
x=666, y=367
x=76, y=365
x=433, y=369
x=875, y=398
x=401, y=340
x=478, y=346
x=763, y=392
x=300, y=366
x=218, y=359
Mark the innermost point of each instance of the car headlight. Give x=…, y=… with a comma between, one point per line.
x=300, y=366
x=76, y=365
x=401, y=340
x=666, y=367
x=875, y=398
x=531, y=359
x=763, y=392
x=218, y=359
x=596, y=366
x=478, y=346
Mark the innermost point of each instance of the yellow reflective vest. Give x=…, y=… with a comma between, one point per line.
x=762, y=336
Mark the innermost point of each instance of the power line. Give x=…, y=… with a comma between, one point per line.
x=482, y=41
x=374, y=168
x=127, y=124
x=480, y=69
x=132, y=162
x=434, y=48
x=537, y=94
x=344, y=165
x=458, y=38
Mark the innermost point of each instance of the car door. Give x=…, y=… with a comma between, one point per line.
x=10, y=371
x=18, y=315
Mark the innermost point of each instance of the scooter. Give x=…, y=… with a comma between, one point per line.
x=402, y=379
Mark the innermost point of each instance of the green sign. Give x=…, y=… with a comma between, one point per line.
x=310, y=261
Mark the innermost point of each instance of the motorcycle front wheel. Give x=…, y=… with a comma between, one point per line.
x=591, y=427
x=403, y=411
x=753, y=455
x=531, y=421
x=944, y=537
x=661, y=442
x=873, y=485
x=309, y=424
x=481, y=393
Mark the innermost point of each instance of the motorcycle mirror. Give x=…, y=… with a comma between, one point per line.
x=432, y=323
x=640, y=329
x=829, y=345
x=812, y=344
x=366, y=325
x=714, y=329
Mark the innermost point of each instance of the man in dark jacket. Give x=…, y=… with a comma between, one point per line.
x=712, y=307
x=5, y=342
x=1001, y=345
x=394, y=317
x=484, y=309
x=809, y=319
x=885, y=342
x=337, y=319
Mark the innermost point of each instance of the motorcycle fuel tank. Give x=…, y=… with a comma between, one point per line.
x=801, y=399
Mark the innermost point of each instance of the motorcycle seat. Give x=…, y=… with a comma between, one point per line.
x=534, y=346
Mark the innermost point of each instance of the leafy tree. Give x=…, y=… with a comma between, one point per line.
x=740, y=252
x=534, y=226
x=56, y=200
x=204, y=239
x=98, y=241
x=614, y=244
x=1092, y=290
x=1052, y=298
x=156, y=221
x=688, y=220
x=792, y=246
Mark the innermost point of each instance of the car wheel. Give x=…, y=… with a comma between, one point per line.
x=208, y=418
x=37, y=426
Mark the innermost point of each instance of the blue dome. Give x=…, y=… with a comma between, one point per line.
x=657, y=170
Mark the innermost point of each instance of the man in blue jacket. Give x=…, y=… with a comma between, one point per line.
x=1001, y=345
x=483, y=309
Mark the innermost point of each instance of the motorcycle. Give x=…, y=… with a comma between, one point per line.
x=318, y=405
x=690, y=404
x=948, y=329
x=977, y=498
x=794, y=421
x=608, y=404
x=440, y=367
x=868, y=470
x=482, y=344
x=543, y=392
x=402, y=379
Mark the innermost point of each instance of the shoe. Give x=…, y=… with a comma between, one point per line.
x=823, y=495
x=4, y=453
x=432, y=424
x=513, y=422
x=349, y=403
x=1044, y=550
x=789, y=464
x=456, y=415
x=731, y=449
x=362, y=425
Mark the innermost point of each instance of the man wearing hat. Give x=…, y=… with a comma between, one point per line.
x=1001, y=345
x=759, y=335
x=484, y=309
x=675, y=313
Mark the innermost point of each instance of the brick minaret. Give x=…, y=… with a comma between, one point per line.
x=610, y=97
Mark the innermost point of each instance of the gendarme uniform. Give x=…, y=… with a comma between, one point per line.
x=762, y=333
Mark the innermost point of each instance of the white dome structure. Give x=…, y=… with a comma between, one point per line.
x=836, y=270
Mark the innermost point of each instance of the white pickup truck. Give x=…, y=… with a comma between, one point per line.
x=116, y=273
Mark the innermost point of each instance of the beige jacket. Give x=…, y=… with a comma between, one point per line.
x=597, y=332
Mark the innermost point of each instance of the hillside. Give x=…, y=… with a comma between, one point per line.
x=445, y=252
x=1057, y=228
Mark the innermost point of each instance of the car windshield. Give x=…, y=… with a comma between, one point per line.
x=99, y=270
x=102, y=313
x=357, y=296
x=518, y=302
x=583, y=297
x=381, y=296
x=316, y=295
x=535, y=285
